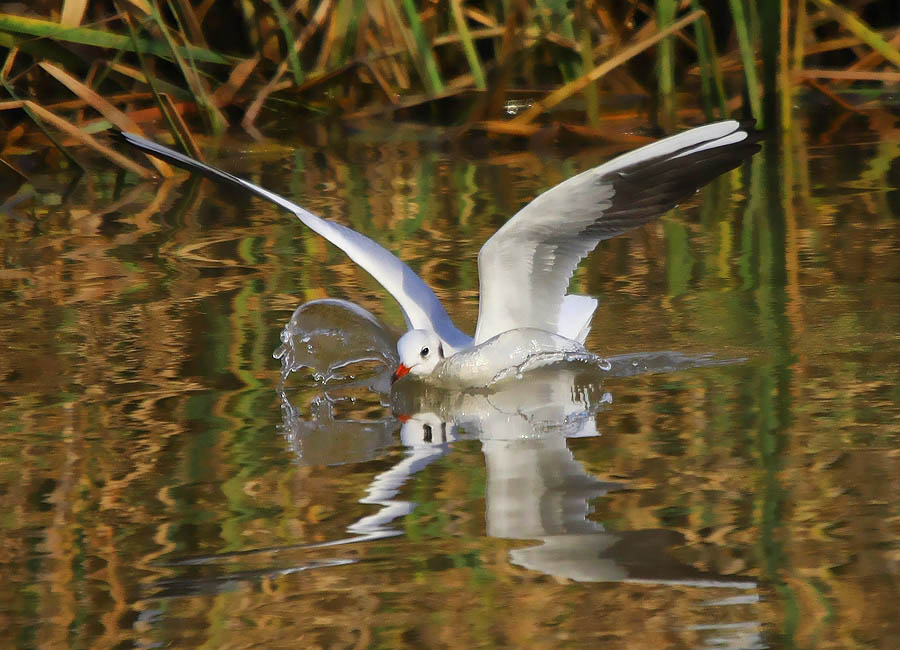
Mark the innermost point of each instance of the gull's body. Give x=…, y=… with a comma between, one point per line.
x=525, y=267
x=506, y=354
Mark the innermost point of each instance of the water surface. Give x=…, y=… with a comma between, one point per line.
x=158, y=491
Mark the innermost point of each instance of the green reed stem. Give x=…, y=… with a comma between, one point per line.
x=748, y=58
x=97, y=38
x=433, y=77
x=191, y=74
x=665, y=53
x=712, y=88
x=465, y=37
x=285, y=24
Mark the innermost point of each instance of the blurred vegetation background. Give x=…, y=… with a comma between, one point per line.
x=74, y=69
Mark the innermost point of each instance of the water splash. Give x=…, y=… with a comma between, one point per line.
x=328, y=336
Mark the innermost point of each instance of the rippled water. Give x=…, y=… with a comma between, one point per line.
x=158, y=490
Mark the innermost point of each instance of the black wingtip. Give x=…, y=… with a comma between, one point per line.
x=124, y=137
x=139, y=142
x=132, y=140
x=120, y=137
x=748, y=124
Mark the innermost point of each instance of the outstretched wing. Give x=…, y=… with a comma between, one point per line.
x=524, y=269
x=420, y=306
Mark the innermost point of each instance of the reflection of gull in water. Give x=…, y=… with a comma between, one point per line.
x=535, y=488
x=526, y=319
x=385, y=487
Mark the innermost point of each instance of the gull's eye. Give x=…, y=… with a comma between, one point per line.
x=424, y=352
x=426, y=433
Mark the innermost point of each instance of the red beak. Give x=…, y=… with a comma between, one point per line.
x=400, y=372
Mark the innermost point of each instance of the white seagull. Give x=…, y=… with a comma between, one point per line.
x=524, y=269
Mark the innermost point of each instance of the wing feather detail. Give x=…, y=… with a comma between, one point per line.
x=525, y=268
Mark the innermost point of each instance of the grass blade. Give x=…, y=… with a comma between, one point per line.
x=465, y=37
x=800, y=27
x=433, y=78
x=784, y=71
x=712, y=88
x=850, y=75
x=73, y=12
x=153, y=82
x=665, y=62
x=748, y=58
x=150, y=80
x=351, y=28
x=289, y=39
x=591, y=93
x=217, y=120
x=395, y=22
x=182, y=131
x=98, y=38
x=187, y=16
x=225, y=93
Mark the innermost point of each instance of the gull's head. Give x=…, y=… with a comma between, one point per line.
x=420, y=351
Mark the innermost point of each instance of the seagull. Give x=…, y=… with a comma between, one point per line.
x=526, y=317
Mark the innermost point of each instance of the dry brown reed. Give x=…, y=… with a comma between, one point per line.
x=516, y=68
